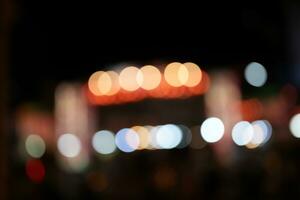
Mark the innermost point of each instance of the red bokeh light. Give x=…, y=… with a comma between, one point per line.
x=35, y=170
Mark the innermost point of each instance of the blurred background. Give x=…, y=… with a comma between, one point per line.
x=151, y=101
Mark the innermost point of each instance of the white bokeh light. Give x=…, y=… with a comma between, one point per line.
x=153, y=141
x=256, y=74
x=127, y=140
x=295, y=125
x=262, y=131
x=168, y=136
x=212, y=129
x=69, y=145
x=104, y=142
x=242, y=133
x=265, y=129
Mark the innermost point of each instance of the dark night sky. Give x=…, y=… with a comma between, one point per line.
x=52, y=42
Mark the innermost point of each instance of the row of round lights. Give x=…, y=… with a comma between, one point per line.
x=148, y=78
x=167, y=136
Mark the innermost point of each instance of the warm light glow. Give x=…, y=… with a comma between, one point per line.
x=168, y=136
x=178, y=80
x=256, y=74
x=104, y=142
x=194, y=74
x=176, y=74
x=212, y=129
x=69, y=145
x=104, y=83
x=128, y=78
x=115, y=87
x=144, y=136
x=295, y=125
x=153, y=135
x=148, y=77
x=93, y=83
x=242, y=133
x=183, y=74
x=35, y=146
x=127, y=140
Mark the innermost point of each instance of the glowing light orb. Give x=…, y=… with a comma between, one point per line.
x=127, y=140
x=35, y=146
x=104, y=142
x=242, y=133
x=128, y=78
x=104, y=83
x=256, y=74
x=262, y=131
x=93, y=83
x=114, y=87
x=295, y=125
x=194, y=74
x=168, y=136
x=35, y=170
x=69, y=145
x=148, y=77
x=144, y=136
x=176, y=74
x=212, y=129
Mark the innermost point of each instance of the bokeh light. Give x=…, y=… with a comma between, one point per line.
x=176, y=74
x=144, y=136
x=262, y=131
x=242, y=133
x=295, y=125
x=104, y=142
x=35, y=170
x=35, y=146
x=212, y=129
x=149, y=77
x=93, y=83
x=153, y=139
x=104, y=83
x=258, y=136
x=127, y=140
x=69, y=145
x=256, y=74
x=194, y=74
x=115, y=87
x=168, y=136
x=128, y=78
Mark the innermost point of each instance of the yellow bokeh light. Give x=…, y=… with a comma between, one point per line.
x=92, y=83
x=148, y=77
x=183, y=74
x=175, y=73
x=115, y=87
x=194, y=74
x=144, y=136
x=104, y=83
x=128, y=78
